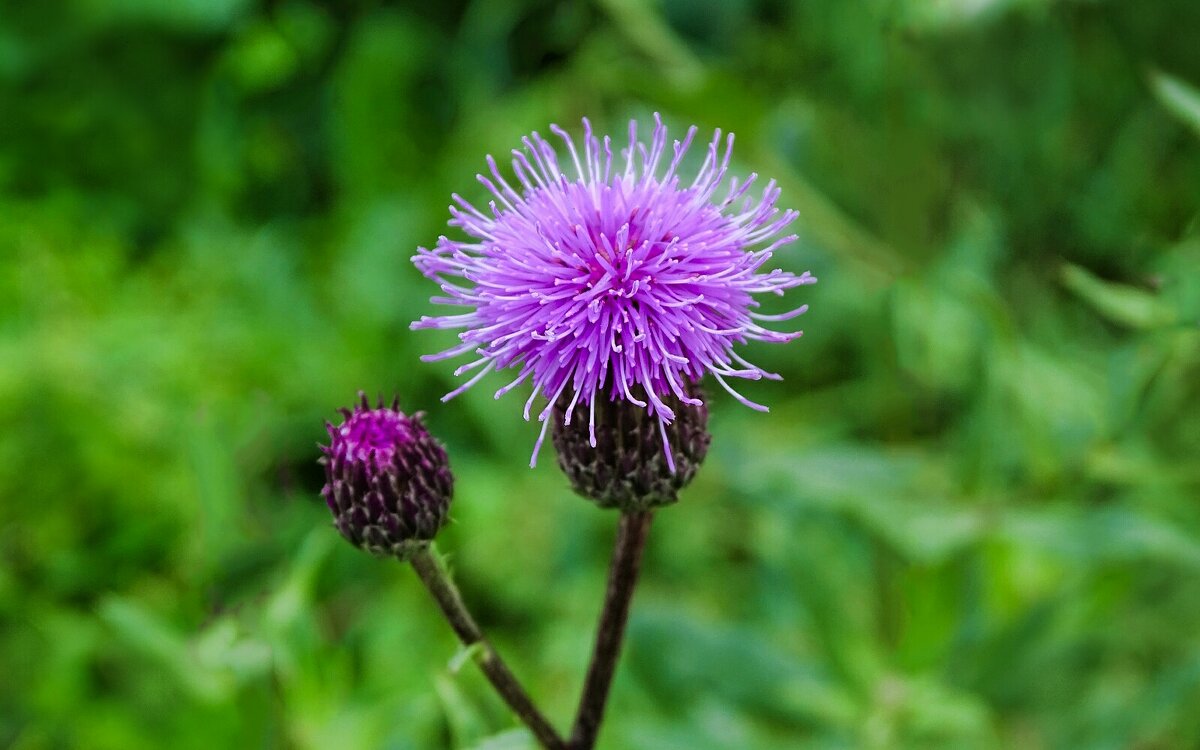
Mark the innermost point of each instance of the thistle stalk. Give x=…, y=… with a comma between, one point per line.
x=632, y=531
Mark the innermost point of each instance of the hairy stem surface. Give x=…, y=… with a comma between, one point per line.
x=610, y=632
x=436, y=578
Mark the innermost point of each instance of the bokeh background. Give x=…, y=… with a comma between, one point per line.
x=971, y=520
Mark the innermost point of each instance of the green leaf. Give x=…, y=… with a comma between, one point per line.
x=465, y=717
x=145, y=632
x=1120, y=303
x=513, y=739
x=1179, y=97
x=465, y=655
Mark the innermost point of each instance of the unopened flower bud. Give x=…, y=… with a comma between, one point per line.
x=388, y=481
x=638, y=461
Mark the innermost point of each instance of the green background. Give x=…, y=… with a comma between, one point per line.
x=971, y=519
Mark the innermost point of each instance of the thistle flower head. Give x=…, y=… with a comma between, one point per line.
x=388, y=481
x=612, y=277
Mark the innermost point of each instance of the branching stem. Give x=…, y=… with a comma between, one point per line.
x=437, y=579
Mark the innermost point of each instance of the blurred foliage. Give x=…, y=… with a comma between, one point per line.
x=972, y=519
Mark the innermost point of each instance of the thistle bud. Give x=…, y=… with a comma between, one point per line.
x=387, y=480
x=637, y=461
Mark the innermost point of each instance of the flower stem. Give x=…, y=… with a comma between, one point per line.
x=622, y=580
x=437, y=579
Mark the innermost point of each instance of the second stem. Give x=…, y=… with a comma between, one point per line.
x=610, y=632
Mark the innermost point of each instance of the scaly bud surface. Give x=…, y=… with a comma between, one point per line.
x=387, y=480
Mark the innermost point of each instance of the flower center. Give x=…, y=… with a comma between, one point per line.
x=621, y=263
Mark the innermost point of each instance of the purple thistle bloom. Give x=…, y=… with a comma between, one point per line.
x=617, y=281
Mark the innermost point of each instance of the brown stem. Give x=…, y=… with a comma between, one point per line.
x=622, y=580
x=433, y=573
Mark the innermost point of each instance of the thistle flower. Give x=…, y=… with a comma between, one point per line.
x=388, y=481
x=617, y=281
